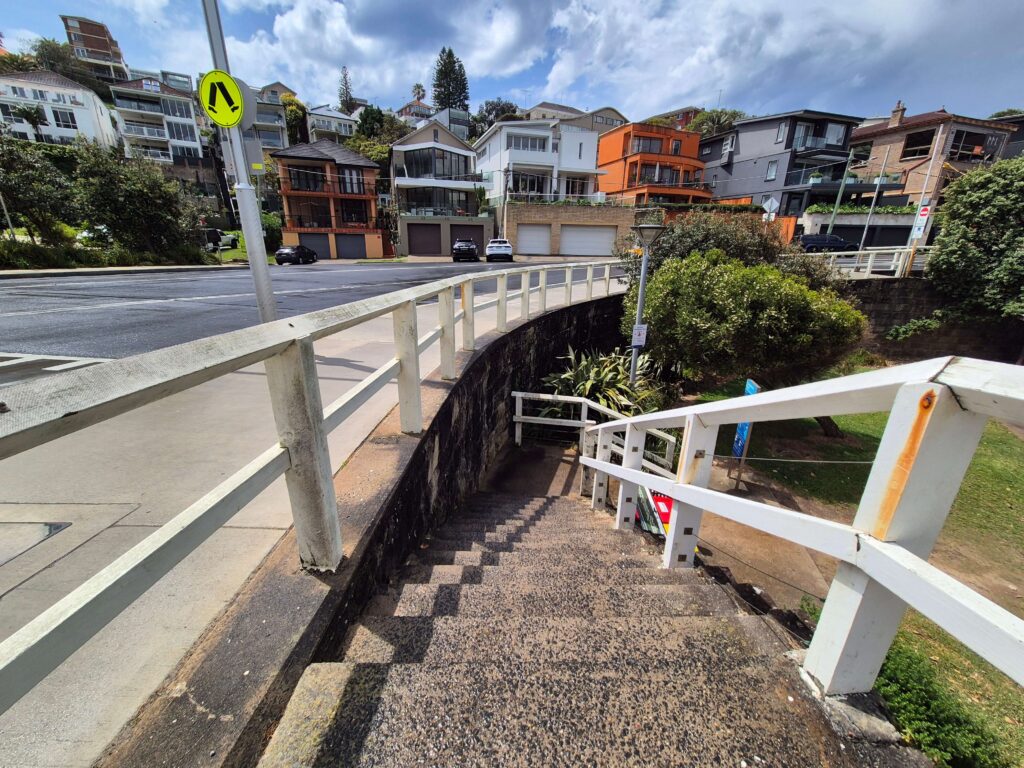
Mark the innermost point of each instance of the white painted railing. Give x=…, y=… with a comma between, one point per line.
x=937, y=411
x=41, y=410
x=878, y=262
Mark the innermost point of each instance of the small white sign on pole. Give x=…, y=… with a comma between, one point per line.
x=639, y=335
x=920, y=221
x=771, y=205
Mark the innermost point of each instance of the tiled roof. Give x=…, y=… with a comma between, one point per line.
x=920, y=121
x=325, y=149
x=558, y=107
x=45, y=77
x=166, y=90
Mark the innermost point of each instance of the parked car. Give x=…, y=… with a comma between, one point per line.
x=499, y=250
x=295, y=254
x=825, y=242
x=464, y=249
x=218, y=238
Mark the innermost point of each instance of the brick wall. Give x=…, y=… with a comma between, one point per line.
x=618, y=216
x=888, y=303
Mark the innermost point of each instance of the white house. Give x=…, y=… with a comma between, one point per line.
x=156, y=121
x=538, y=160
x=69, y=109
x=327, y=123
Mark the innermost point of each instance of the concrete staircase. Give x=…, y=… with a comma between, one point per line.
x=528, y=632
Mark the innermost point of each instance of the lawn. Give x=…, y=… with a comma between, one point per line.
x=985, y=529
x=240, y=253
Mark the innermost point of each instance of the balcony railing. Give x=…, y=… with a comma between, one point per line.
x=403, y=173
x=138, y=106
x=269, y=118
x=411, y=209
x=800, y=143
x=145, y=130
x=330, y=186
x=152, y=154
x=324, y=222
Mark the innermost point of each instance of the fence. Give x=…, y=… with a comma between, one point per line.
x=41, y=410
x=878, y=262
x=937, y=411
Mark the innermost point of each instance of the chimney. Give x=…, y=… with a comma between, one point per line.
x=897, y=114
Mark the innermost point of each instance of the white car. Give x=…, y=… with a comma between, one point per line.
x=499, y=250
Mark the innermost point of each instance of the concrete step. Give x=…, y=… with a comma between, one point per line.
x=715, y=708
x=582, y=514
x=596, y=523
x=491, y=574
x=445, y=640
x=547, y=557
x=612, y=541
x=566, y=599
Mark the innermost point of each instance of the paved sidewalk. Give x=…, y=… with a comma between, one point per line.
x=116, y=482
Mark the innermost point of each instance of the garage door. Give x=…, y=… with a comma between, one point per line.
x=424, y=239
x=587, y=241
x=474, y=232
x=351, y=246
x=534, y=239
x=319, y=243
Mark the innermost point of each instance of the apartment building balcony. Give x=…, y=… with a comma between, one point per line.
x=818, y=146
x=465, y=182
x=269, y=118
x=134, y=105
x=151, y=153
x=327, y=187
x=323, y=223
x=830, y=177
x=145, y=131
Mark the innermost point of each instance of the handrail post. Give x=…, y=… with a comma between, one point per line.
x=670, y=453
x=599, y=495
x=502, y=303
x=588, y=445
x=607, y=279
x=696, y=458
x=590, y=281
x=632, y=458
x=298, y=414
x=408, y=355
x=519, y=416
x=446, y=318
x=871, y=262
x=568, y=286
x=524, y=296
x=543, y=290
x=583, y=426
x=468, y=317
x=925, y=451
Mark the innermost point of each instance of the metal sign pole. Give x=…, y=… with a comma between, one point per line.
x=874, y=200
x=639, y=311
x=245, y=193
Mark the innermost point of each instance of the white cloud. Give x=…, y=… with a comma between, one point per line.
x=19, y=40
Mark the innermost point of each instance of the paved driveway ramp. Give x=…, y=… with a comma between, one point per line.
x=528, y=632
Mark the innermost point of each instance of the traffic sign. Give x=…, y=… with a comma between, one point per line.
x=920, y=221
x=639, y=335
x=771, y=205
x=221, y=98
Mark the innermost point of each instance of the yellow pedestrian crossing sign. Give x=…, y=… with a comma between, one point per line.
x=221, y=98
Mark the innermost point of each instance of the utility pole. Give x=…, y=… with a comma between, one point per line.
x=839, y=197
x=646, y=234
x=925, y=200
x=7, y=216
x=245, y=194
x=874, y=200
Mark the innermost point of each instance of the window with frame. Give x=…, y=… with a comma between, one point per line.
x=918, y=144
x=705, y=150
x=835, y=134
x=8, y=115
x=575, y=186
x=528, y=182
x=728, y=143
x=64, y=118
x=179, y=151
x=714, y=180
x=529, y=143
x=40, y=95
x=18, y=91
x=350, y=181
x=581, y=151
x=60, y=98
x=773, y=170
x=780, y=133
x=181, y=131
x=647, y=144
x=177, y=108
x=306, y=180
x=677, y=146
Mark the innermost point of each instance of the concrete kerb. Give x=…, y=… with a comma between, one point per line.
x=246, y=664
x=11, y=274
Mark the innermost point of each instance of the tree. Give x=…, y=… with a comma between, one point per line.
x=17, y=62
x=711, y=318
x=711, y=122
x=295, y=119
x=374, y=123
x=488, y=113
x=451, y=88
x=663, y=121
x=1010, y=112
x=346, y=101
x=372, y=149
x=60, y=58
x=978, y=262
x=33, y=115
x=419, y=93
x=35, y=190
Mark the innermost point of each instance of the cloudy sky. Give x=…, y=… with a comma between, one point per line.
x=641, y=57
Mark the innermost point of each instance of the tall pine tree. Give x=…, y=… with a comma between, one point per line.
x=346, y=102
x=451, y=87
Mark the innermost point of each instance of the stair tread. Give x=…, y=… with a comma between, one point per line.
x=493, y=574
x=536, y=557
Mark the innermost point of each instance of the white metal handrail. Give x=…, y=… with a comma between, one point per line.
x=878, y=261
x=40, y=410
x=937, y=411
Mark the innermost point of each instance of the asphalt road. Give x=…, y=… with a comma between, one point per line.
x=122, y=315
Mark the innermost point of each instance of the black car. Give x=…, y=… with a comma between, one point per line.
x=464, y=250
x=295, y=254
x=824, y=242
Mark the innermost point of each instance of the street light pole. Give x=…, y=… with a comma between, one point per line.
x=874, y=200
x=7, y=216
x=839, y=197
x=647, y=234
x=245, y=193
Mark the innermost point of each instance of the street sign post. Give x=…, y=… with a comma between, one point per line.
x=221, y=98
x=921, y=221
x=639, y=335
x=741, y=442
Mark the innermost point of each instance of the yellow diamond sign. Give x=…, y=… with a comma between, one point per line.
x=221, y=98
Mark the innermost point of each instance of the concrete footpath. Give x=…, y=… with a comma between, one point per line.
x=115, y=483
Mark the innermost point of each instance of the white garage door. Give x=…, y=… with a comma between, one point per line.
x=534, y=239
x=587, y=241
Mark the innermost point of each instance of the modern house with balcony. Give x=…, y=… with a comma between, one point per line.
x=411, y=113
x=156, y=121
x=798, y=158
x=68, y=110
x=649, y=164
x=269, y=127
x=455, y=120
x=325, y=122
x=96, y=48
x=957, y=143
x=434, y=189
x=178, y=80
x=681, y=117
x=600, y=120
x=538, y=160
x=330, y=200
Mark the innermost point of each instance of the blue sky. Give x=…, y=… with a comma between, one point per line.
x=640, y=57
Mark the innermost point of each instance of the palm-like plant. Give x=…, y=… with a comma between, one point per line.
x=419, y=93
x=604, y=378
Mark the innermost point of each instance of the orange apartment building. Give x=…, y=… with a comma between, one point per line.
x=330, y=200
x=649, y=164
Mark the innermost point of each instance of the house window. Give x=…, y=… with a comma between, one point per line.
x=8, y=115
x=528, y=182
x=40, y=95
x=574, y=186
x=180, y=131
x=177, y=108
x=861, y=152
x=81, y=53
x=60, y=98
x=677, y=146
x=780, y=133
x=728, y=143
x=917, y=144
x=967, y=146
x=179, y=151
x=803, y=132
x=598, y=119
x=308, y=181
x=773, y=170
x=435, y=134
x=18, y=91
x=529, y=143
x=765, y=198
x=705, y=150
x=64, y=118
x=647, y=144
x=581, y=151
x=835, y=134
x=350, y=181
x=714, y=180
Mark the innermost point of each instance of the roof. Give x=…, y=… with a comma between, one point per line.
x=556, y=107
x=326, y=110
x=166, y=90
x=674, y=112
x=423, y=126
x=800, y=112
x=45, y=77
x=486, y=135
x=325, y=149
x=923, y=120
x=284, y=87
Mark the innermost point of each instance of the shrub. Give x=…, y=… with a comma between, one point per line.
x=604, y=378
x=711, y=318
x=271, y=231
